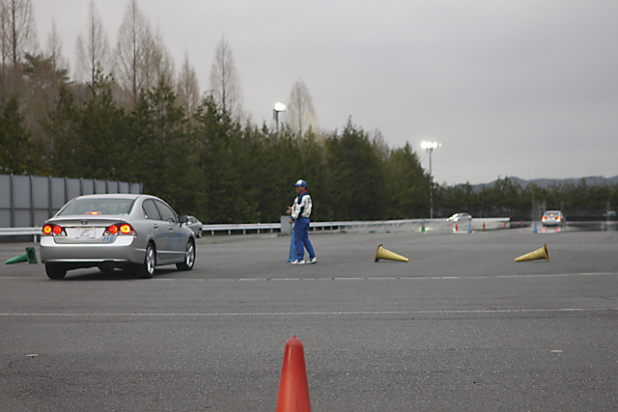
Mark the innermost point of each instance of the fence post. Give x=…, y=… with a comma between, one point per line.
x=49, y=195
x=31, y=182
x=12, y=200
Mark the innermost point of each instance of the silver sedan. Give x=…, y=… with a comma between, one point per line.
x=116, y=231
x=195, y=225
x=552, y=218
x=459, y=217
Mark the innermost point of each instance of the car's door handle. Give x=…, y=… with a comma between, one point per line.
x=155, y=226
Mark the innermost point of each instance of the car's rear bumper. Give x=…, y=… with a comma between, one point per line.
x=121, y=251
x=552, y=223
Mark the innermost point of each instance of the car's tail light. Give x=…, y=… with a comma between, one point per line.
x=120, y=229
x=544, y=218
x=52, y=229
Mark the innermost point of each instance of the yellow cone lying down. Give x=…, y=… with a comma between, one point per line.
x=540, y=253
x=382, y=253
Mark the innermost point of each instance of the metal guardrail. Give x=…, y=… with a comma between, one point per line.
x=21, y=231
x=245, y=228
x=276, y=227
x=407, y=224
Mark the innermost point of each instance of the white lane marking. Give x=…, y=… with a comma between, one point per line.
x=397, y=277
x=331, y=313
x=445, y=277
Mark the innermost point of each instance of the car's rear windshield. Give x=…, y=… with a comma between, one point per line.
x=98, y=206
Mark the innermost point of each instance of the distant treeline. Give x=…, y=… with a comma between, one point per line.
x=509, y=198
x=222, y=171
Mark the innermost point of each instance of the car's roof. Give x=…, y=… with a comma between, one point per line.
x=113, y=196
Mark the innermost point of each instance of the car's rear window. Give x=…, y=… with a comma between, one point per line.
x=98, y=207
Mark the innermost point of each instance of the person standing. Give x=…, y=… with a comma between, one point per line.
x=300, y=212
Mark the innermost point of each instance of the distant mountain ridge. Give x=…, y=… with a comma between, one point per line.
x=545, y=182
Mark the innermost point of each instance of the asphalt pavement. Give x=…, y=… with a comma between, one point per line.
x=460, y=327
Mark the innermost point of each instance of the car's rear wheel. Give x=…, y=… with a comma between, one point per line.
x=55, y=271
x=189, y=260
x=146, y=269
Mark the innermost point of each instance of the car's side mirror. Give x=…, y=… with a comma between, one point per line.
x=183, y=219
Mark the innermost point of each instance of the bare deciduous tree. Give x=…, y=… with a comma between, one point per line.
x=54, y=49
x=133, y=36
x=17, y=39
x=225, y=83
x=18, y=30
x=141, y=58
x=157, y=63
x=188, y=89
x=300, y=115
x=92, y=52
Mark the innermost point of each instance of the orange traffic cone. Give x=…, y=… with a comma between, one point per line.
x=293, y=387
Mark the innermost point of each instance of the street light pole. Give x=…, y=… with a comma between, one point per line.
x=430, y=147
x=279, y=107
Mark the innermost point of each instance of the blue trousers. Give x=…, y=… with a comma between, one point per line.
x=301, y=236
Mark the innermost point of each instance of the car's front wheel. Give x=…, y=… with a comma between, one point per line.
x=189, y=259
x=146, y=269
x=55, y=271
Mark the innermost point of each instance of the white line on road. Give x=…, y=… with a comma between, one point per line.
x=334, y=278
x=328, y=313
x=446, y=277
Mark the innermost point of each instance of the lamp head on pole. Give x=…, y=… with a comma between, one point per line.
x=279, y=107
x=430, y=146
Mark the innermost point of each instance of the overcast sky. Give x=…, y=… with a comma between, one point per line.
x=525, y=88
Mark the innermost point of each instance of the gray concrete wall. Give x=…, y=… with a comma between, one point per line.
x=27, y=201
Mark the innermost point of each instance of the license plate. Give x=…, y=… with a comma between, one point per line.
x=86, y=233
